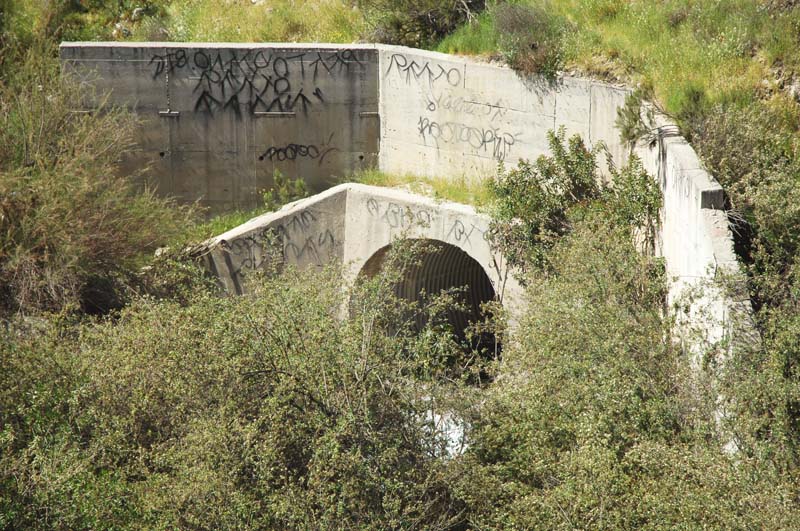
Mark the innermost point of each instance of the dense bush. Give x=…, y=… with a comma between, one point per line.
x=72, y=230
x=413, y=22
x=530, y=37
x=595, y=421
x=754, y=153
x=265, y=411
x=533, y=200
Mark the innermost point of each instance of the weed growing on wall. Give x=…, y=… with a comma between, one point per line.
x=284, y=190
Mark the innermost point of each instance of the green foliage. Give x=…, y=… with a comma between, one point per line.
x=413, y=22
x=595, y=419
x=536, y=203
x=264, y=411
x=630, y=122
x=530, y=37
x=72, y=231
x=246, y=21
x=284, y=190
x=634, y=201
x=753, y=153
x=534, y=198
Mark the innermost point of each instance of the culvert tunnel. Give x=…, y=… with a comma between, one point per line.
x=443, y=266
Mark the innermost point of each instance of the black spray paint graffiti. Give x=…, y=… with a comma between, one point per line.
x=297, y=239
x=490, y=140
x=298, y=151
x=300, y=240
x=168, y=62
x=427, y=71
x=398, y=216
x=248, y=253
x=256, y=79
x=458, y=104
x=311, y=247
x=462, y=235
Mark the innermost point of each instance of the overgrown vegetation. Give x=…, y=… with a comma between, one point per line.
x=184, y=409
x=72, y=230
x=417, y=23
x=727, y=72
x=266, y=411
x=534, y=200
x=529, y=38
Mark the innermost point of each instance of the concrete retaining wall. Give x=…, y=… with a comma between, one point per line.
x=218, y=119
x=446, y=115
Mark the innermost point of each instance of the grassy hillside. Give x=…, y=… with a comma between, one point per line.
x=732, y=51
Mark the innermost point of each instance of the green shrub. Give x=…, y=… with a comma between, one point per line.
x=530, y=37
x=595, y=419
x=265, y=411
x=72, y=231
x=535, y=203
x=533, y=199
x=416, y=23
x=753, y=153
x=284, y=190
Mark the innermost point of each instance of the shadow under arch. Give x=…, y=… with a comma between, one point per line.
x=443, y=266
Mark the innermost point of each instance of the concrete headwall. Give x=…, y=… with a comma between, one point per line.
x=218, y=119
x=351, y=223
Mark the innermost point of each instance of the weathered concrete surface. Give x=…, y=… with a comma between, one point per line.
x=218, y=119
x=447, y=115
x=350, y=224
x=696, y=241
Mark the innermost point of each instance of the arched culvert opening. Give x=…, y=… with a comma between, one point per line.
x=443, y=266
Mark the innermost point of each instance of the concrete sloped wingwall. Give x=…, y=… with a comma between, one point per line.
x=218, y=119
x=306, y=233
